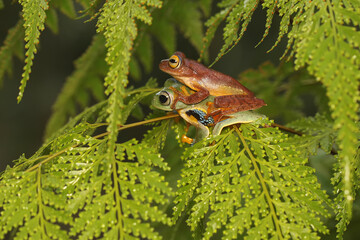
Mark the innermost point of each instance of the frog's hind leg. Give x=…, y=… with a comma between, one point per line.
x=238, y=117
x=238, y=102
x=196, y=118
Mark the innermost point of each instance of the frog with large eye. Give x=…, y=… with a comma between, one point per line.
x=230, y=95
x=196, y=114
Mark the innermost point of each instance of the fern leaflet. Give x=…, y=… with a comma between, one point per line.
x=318, y=133
x=34, y=17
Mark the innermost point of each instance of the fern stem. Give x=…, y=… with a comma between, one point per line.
x=39, y=198
x=287, y=129
x=120, y=127
x=117, y=197
x=49, y=158
x=264, y=187
x=152, y=90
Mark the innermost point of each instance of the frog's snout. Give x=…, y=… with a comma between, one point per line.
x=163, y=65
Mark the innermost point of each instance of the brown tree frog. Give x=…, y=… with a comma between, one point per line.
x=196, y=114
x=229, y=94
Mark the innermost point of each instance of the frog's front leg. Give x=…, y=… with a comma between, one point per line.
x=191, y=99
x=238, y=117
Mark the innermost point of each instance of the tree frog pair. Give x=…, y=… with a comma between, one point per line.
x=197, y=114
x=229, y=95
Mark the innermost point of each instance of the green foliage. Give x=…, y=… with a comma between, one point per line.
x=236, y=14
x=13, y=45
x=34, y=17
x=284, y=90
x=90, y=179
x=317, y=132
x=324, y=36
x=250, y=181
x=71, y=186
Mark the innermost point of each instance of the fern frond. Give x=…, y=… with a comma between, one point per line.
x=324, y=36
x=318, y=133
x=117, y=192
x=32, y=205
x=284, y=90
x=34, y=18
x=326, y=41
x=72, y=186
x=13, y=45
x=344, y=207
x=251, y=181
x=117, y=22
x=90, y=68
x=234, y=13
x=156, y=137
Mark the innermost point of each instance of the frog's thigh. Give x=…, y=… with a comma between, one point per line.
x=202, y=131
x=238, y=117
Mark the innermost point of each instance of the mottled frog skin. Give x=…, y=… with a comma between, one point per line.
x=197, y=114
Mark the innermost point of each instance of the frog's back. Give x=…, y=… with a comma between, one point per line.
x=217, y=83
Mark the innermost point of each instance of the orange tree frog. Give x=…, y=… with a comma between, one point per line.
x=230, y=95
x=196, y=114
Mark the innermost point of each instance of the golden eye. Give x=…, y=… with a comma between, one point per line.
x=174, y=61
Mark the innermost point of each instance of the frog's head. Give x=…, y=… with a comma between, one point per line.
x=164, y=98
x=178, y=66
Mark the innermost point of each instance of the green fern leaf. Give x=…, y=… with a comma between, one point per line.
x=251, y=181
x=75, y=187
x=234, y=13
x=325, y=38
x=31, y=205
x=117, y=22
x=212, y=25
x=284, y=90
x=156, y=137
x=271, y=8
x=331, y=50
x=34, y=17
x=118, y=203
x=318, y=133
x=13, y=45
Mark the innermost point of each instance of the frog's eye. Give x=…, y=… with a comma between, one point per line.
x=164, y=98
x=174, y=61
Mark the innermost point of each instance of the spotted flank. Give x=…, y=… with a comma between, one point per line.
x=200, y=115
